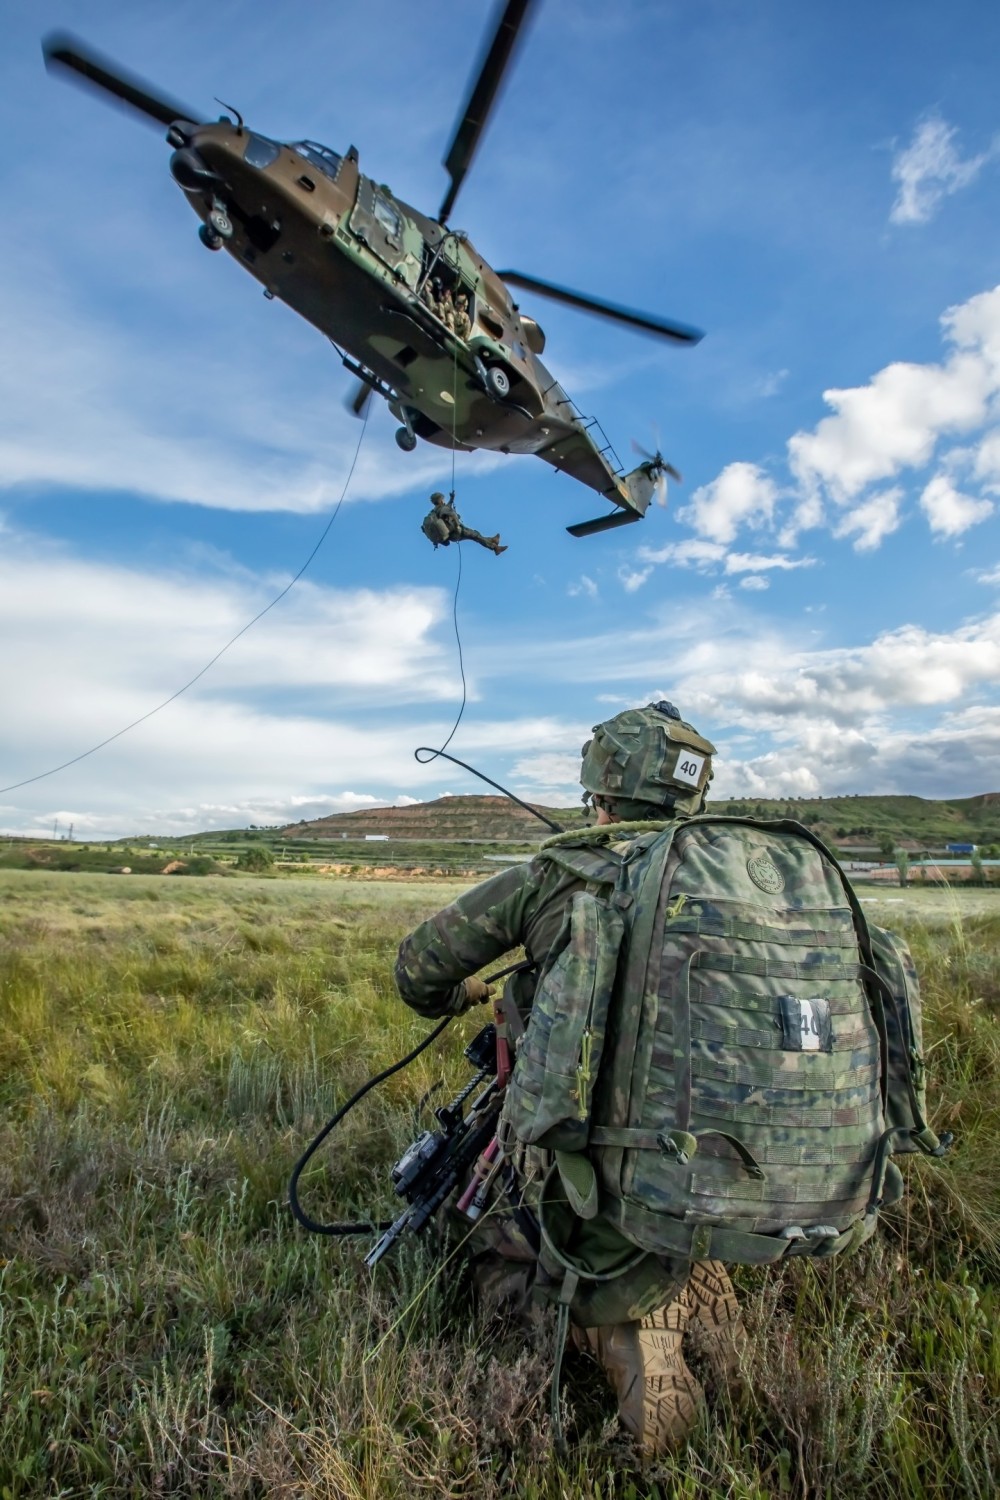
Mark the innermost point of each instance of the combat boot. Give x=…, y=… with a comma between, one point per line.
x=715, y=1324
x=658, y=1397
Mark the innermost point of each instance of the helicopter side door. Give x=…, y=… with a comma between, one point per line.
x=377, y=222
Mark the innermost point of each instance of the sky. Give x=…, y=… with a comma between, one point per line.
x=815, y=186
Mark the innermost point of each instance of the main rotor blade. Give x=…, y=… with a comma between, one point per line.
x=357, y=400
x=664, y=328
x=64, y=51
x=480, y=100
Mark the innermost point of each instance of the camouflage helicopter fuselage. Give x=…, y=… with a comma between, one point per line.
x=359, y=264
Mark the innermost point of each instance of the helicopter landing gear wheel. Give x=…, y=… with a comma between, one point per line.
x=221, y=223
x=498, y=382
x=209, y=238
x=406, y=439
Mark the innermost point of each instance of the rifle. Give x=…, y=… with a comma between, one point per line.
x=433, y=1166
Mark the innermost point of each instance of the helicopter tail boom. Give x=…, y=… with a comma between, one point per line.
x=634, y=493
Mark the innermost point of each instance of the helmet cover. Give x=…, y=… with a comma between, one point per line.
x=649, y=756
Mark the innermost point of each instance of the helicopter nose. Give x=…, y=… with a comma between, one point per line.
x=181, y=133
x=191, y=171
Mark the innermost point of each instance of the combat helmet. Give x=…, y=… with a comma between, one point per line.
x=647, y=763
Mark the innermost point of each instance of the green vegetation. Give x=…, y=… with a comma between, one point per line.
x=884, y=823
x=472, y=836
x=167, y=1048
x=256, y=859
x=106, y=859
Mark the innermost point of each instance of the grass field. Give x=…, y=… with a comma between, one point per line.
x=167, y=1047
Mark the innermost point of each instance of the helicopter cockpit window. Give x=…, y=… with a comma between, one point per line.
x=321, y=156
x=261, y=152
x=386, y=215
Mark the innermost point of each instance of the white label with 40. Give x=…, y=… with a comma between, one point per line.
x=688, y=767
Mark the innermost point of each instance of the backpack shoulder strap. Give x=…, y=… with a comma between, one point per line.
x=595, y=866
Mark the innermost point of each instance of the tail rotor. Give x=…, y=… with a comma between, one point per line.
x=657, y=468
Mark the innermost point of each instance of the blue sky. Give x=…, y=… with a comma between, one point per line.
x=817, y=187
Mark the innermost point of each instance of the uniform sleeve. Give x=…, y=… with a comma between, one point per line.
x=480, y=926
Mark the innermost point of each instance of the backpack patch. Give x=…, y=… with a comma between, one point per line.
x=806, y=1024
x=764, y=872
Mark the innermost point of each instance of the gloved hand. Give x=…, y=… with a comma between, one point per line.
x=477, y=991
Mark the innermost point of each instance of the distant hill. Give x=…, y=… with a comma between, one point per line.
x=472, y=819
x=910, y=822
x=849, y=822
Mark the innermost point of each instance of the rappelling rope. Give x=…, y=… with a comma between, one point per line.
x=222, y=651
x=458, y=581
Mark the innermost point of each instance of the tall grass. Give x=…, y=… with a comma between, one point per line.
x=165, y=1051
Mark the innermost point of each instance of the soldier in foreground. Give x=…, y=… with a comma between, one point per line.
x=672, y=1303
x=443, y=524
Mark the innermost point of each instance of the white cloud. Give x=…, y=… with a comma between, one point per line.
x=742, y=495
x=159, y=629
x=691, y=553
x=708, y=557
x=554, y=773
x=316, y=710
x=898, y=713
x=872, y=521
x=891, y=423
x=957, y=756
x=992, y=575
x=754, y=582
x=897, y=420
x=950, y=512
x=766, y=681
x=755, y=562
x=583, y=586
x=987, y=461
x=632, y=579
x=929, y=169
x=770, y=385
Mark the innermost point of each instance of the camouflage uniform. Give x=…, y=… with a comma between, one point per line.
x=526, y=905
x=638, y=1345
x=446, y=309
x=443, y=524
x=463, y=323
x=529, y=905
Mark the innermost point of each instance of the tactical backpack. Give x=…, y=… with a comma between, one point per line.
x=722, y=1054
x=435, y=529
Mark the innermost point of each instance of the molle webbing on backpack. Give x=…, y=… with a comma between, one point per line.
x=740, y=911
x=751, y=1051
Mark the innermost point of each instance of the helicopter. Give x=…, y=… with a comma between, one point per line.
x=411, y=307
